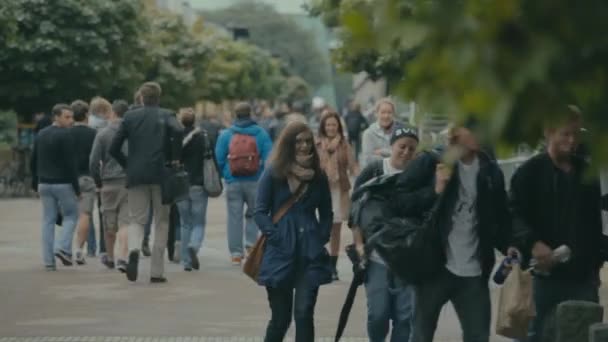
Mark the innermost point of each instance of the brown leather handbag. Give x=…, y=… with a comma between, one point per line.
x=254, y=260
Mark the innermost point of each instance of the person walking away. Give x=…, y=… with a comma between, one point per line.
x=472, y=220
x=212, y=126
x=83, y=143
x=295, y=262
x=100, y=110
x=318, y=107
x=154, y=140
x=241, y=153
x=552, y=198
x=110, y=179
x=388, y=297
x=376, y=138
x=356, y=124
x=193, y=211
x=55, y=179
x=338, y=163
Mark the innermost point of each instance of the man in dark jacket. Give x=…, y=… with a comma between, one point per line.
x=552, y=199
x=472, y=218
x=154, y=138
x=356, y=124
x=192, y=211
x=84, y=136
x=55, y=178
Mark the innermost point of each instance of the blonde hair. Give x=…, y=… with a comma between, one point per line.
x=100, y=106
x=386, y=100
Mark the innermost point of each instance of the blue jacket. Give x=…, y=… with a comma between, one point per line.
x=243, y=126
x=296, y=244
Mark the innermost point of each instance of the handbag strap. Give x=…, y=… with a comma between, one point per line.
x=290, y=202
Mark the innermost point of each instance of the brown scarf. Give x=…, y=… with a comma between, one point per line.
x=333, y=158
x=301, y=171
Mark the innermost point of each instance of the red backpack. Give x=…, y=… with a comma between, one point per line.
x=243, y=155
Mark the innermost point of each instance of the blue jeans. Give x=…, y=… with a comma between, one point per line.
x=286, y=301
x=548, y=293
x=91, y=239
x=193, y=218
x=388, y=298
x=237, y=195
x=57, y=198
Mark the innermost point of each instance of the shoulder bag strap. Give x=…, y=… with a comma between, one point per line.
x=290, y=202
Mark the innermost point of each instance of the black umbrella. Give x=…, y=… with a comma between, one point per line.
x=358, y=279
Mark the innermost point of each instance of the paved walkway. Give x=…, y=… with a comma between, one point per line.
x=218, y=301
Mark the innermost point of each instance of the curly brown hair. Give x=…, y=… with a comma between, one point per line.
x=284, y=154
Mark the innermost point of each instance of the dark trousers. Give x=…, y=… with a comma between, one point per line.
x=548, y=293
x=287, y=301
x=174, y=228
x=470, y=297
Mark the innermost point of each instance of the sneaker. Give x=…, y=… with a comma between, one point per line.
x=133, y=265
x=187, y=268
x=158, y=280
x=121, y=266
x=66, y=259
x=193, y=258
x=80, y=258
x=145, y=249
x=50, y=268
x=237, y=260
x=107, y=262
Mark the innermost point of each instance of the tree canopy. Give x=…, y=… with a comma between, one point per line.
x=59, y=51
x=277, y=33
x=514, y=64
x=54, y=52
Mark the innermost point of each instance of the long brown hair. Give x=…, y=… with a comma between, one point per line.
x=284, y=154
x=326, y=116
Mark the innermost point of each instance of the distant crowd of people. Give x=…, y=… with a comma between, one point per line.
x=288, y=177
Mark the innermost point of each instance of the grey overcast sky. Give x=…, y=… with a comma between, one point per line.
x=284, y=6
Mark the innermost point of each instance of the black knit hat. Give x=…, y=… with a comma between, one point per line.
x=401, y=132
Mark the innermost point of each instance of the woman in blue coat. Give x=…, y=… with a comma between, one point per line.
x=295, y=261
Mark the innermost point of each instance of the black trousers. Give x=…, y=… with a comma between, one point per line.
x=470, y=297
x=285, y=302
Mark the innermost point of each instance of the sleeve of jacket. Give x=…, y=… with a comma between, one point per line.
x=366, y=174
x=326, y=213
x=266, y=144
x=505, y=236
x=415, y=193
x=34, y=166
x=116, y=146
x=95, y=159
x=176, y=136
x=221, y=150
x=521, y=205
x=367, y=150
x=263, y=204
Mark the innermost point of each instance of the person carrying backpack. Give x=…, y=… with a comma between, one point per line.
x=241, y=153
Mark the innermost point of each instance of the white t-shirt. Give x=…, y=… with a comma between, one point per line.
x=387, y=169
x=463, y=240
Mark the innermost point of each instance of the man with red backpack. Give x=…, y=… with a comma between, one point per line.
x=241, y=153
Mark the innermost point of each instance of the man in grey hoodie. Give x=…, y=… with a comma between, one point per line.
x=110, y=178
x=376, y=139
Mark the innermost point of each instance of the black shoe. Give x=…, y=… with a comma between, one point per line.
x=158, y=280
x=334, y=276
x=65, y=258
x=188, y=269
x=145, y=249
x=50, y=268
x=133, y=265
x=121, y=266
x=193, y=258
x=334, y=268
x=107, y=262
